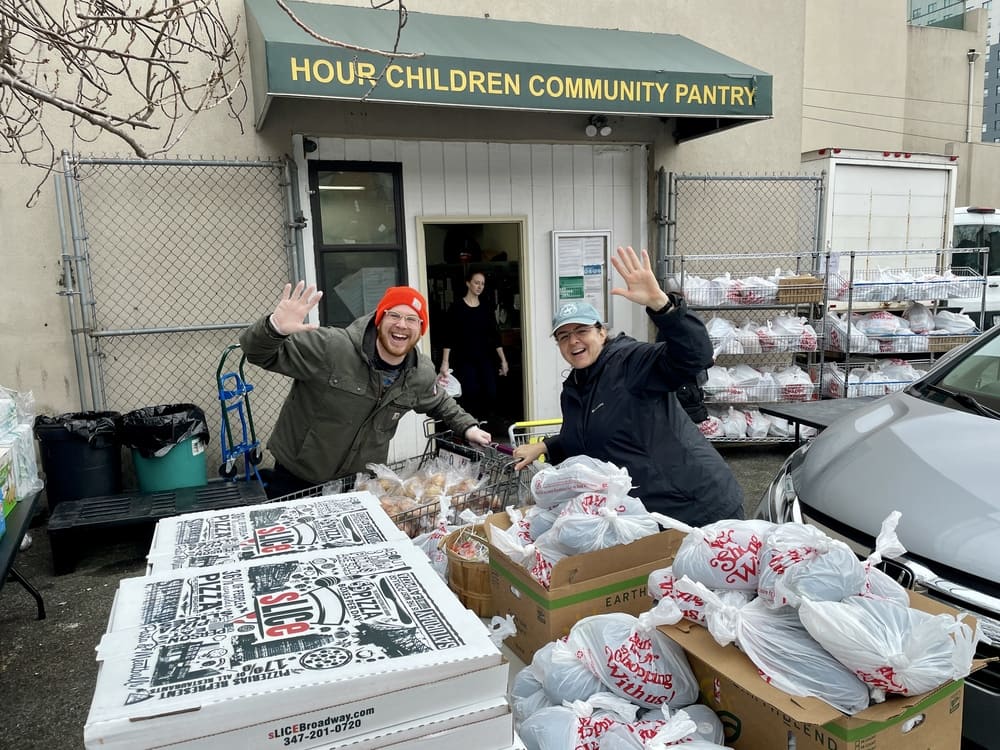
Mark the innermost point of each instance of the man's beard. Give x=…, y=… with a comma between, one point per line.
x=391, y=346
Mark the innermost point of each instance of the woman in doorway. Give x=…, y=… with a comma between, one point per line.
x=619, y=402
x=471, y=348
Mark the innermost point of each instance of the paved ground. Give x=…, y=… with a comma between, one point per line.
x=47, y=667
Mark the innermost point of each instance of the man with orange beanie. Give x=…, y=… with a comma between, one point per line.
x=351, y=386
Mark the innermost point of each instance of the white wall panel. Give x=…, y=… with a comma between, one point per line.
x=431, y=177
x=499, y=177
x=478, y=159
x=456, y=179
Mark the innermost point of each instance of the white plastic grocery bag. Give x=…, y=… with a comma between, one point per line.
x=721, y=555
x=790, y=659
x=554, y=485
x=893, y=649
x=564, y=674
x=635, y=660
x=578, y=725
x=798, y=561
x=526, y=694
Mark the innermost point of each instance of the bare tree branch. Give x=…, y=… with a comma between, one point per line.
x=137, y=70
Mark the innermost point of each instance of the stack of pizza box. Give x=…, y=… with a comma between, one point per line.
x=312, y=623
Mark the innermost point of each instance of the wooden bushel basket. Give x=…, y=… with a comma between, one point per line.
x=469, y=579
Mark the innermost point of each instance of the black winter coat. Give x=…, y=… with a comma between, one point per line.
x=623, y=409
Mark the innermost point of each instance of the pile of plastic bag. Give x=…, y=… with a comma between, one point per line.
x=887, y=285
x=726, y=290
x=813, y=618
x=743, y=383
x=20, y=472
x=735, y=423
x=878, y=379
x=881, y=331
x=581, y=505
x=614, y=683
x=784, y=333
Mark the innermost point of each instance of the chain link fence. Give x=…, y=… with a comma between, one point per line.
x=740, y=217
x=171, y=260
x=746, y=230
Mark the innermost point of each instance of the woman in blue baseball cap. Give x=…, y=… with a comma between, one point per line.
x=619, y=401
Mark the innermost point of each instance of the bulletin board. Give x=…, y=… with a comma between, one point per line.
x=581, y=269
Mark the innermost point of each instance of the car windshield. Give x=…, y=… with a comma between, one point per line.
x=974, y=374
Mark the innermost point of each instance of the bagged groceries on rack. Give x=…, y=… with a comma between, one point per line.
x=725, y=424
x=901, y=284
x=882, y=331
x=743, y=383
x=782, y=333
x=874, y=379
x=780, y=288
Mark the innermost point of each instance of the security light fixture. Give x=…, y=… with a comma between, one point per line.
x=597, y=125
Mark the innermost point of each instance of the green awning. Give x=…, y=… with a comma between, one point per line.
x=482, y=62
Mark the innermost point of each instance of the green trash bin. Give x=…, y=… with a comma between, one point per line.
x=168, y=446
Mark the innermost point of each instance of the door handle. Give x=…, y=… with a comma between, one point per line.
x=993, y=286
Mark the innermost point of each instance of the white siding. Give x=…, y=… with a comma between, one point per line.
x=555, y=187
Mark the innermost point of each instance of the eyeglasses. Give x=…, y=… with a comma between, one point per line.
x=411, y=321
x=579, y=332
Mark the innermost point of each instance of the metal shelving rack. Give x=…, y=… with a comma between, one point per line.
x=802, y=294
x=867, y=285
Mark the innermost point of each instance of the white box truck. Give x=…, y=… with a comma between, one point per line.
x=884, y=200
x=903, y=201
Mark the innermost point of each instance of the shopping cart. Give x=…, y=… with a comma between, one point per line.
x=234, y=396
x=521, y=433
x=492, y=469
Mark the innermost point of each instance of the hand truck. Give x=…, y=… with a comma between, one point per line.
x=234, y=396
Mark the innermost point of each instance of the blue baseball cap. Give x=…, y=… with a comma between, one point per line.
x=575, y=312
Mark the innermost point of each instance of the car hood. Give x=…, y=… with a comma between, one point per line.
x=935, y=465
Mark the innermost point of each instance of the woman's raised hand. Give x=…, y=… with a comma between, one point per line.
x=293, y=307
x=642, y=286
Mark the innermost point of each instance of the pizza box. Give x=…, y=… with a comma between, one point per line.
x=219, y=657
x=197, y=540
x=484, y=726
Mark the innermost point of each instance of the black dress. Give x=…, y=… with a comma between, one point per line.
x=473, y=338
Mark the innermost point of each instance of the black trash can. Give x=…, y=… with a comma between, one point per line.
x=81, y=454
x=168, y=446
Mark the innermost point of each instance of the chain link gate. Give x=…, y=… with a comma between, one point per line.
x=165, y=262
x=748, y=227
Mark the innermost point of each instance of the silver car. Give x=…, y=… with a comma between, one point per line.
x=931, y=452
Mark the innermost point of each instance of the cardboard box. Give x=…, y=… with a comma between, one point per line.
x=8, y=489
x=796, y=289
x=232, y=656
x=197, y=540
x=610, y=580
x=759, y=716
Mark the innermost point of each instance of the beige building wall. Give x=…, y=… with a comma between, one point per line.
x=816, y=50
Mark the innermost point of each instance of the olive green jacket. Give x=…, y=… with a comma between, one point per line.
x=338, y=416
